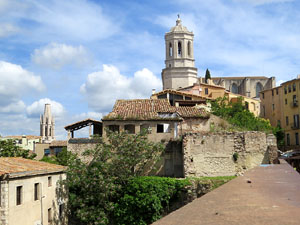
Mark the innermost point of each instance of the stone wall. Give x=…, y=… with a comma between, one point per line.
x=4, y=202
x=226, y=153
x=79, y=145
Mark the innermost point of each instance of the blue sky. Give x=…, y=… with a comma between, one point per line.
x=82, y=55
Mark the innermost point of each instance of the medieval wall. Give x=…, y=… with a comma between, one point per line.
x=212, y=154
x=79, y=145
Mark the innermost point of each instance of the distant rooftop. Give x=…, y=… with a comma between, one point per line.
x=20, y=136
x=19, y=167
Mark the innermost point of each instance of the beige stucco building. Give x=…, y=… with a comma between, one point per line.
x=162, y=120
x=26, y=142
x=280, y=105
x=272, y=105
x=31, y=193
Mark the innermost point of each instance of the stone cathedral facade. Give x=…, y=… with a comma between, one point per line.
x=47, y=125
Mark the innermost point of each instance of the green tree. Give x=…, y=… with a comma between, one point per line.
x=279, y=134
x=9, y=149
x=94, y=187
x=62, y=157
x=207, y=75
x=238, y=115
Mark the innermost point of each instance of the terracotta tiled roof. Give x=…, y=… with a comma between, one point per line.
x=141, y=109
x=20, y=137
x=18, y=167
x=58, y=144
x=151, y=109
x=192, y=112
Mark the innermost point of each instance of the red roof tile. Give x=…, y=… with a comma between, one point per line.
x=17, y=167
x=151, y=109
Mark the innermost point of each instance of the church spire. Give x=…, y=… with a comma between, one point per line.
x=47, y=126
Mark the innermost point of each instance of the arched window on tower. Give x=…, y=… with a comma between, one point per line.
x=170, y=50
x=234, y=88
x=189, y=48
x=179, y=49
x=259, y=88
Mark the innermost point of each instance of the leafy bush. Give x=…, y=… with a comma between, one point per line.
x=9, y=149
x=146, y=198
x=237, y=115
x=96, y=185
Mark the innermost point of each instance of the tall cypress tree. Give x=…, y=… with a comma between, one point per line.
x=207, y=75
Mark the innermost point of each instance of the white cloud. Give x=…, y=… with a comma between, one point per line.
x=104, y=87
x=57, y=55
x=15, y=82
x=37, y=108
x=70, y=20
x=7, y=29
x=263, y=2
x=91, y=115
x=14, y=107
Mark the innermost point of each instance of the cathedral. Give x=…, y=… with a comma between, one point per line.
x=180, y=71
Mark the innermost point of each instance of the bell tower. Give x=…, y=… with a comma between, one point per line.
x=47, y=125
x=180, y=68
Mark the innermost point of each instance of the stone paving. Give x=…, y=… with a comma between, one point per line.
x=267, y=194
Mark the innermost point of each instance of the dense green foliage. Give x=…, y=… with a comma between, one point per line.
x=62, y=158
x=207, y=75
x=279, y=133
x=95, y=183
x=9, y=149
x=146, y=198
x=238, y=115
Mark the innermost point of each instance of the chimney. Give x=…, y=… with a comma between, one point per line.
x=153, y=91
x=298, y=76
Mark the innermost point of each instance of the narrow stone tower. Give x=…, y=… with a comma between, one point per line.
x=180, y=68
x=47, y=125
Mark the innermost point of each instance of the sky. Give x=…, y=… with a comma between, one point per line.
x=82, y=55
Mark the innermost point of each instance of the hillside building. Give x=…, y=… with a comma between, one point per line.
x=280, y=105
x=31, y=193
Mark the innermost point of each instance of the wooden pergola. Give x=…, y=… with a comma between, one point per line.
x=97, y=127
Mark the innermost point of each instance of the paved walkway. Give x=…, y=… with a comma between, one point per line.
x=264, y=195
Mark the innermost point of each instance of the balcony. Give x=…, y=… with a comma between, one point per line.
x=294, y=103
x=295, y=126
